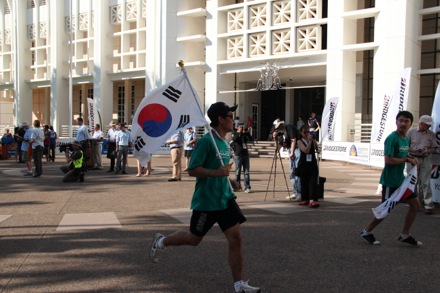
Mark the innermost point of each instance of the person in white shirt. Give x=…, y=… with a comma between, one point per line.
x=37, y=138
x=111, y=145
x=123, y=143
x=98, y=137
x=83, y=133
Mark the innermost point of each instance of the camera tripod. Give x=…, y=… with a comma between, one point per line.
x=274, y=172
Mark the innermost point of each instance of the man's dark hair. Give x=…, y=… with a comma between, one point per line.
x=80, y=119
x=405, y=114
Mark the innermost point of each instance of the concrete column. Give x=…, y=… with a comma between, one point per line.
x=103, y=45
x=60, y=49
x=23, y=95
x=399, y=48
x=341, y=65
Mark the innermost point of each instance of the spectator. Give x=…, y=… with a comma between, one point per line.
x=111, y=145
x=123, y=143
x=98, y=138
x=313, y=126
x=36, y=139
x=240, y=142
x=176, y=147
x=73, y=172
x=190, y=140
x=53, y=143
x=300, y=122
x=422, y=143
x=26, y=148
x=308, y=166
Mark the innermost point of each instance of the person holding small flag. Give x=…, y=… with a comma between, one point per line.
x=396, y=155
x=213, y=199
x=422, y=143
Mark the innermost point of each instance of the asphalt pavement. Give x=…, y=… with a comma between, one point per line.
x=94, y=236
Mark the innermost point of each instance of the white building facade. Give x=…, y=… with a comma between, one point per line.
x=116, y=51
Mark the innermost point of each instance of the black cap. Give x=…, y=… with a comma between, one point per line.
x=219, y=109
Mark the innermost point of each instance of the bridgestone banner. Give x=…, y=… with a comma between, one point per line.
x=329, y=119
x=384, y=121
x=93, y=113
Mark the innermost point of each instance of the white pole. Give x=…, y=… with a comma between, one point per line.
x=70, y=73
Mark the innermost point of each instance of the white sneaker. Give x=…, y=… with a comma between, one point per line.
x=155, y=251
x=297, y=198
x=246, y=288
x=292, y=196
x=247, y=190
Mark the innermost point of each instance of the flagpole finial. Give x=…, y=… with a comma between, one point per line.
x=181, y=64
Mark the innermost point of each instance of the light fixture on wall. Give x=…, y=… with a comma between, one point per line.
x=269, y=81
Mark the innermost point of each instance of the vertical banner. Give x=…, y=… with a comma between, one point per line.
x=329, y=119
x=384, y=120
x=93, y=113
x=435, y=172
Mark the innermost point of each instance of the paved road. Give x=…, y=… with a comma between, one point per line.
x=94, y=236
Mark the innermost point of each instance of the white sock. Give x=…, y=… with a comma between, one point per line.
x=160, y=243
x=237, y=285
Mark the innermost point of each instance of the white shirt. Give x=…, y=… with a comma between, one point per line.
x=98, y=135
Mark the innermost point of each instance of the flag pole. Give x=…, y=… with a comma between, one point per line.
x=207, y=126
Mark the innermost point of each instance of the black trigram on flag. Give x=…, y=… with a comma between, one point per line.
x=139, y=143
x=172, y=94
x=184, y=120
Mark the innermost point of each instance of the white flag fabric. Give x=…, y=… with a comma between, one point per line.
x=93, y=113
x=329, y=119
x=435, y=157
x=161, y=113
x=384, y=121
x=405, y=190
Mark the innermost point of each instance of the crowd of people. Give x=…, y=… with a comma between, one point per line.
x=209, y=157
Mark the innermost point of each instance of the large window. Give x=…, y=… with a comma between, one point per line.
x=121, y=104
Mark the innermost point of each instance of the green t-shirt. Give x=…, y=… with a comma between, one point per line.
x=212, y=193
x=395, y=146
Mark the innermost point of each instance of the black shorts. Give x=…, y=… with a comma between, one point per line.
x=388, y=191
x=202, y=222
x=188, y=153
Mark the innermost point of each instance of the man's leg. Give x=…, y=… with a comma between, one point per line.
x=246, y=169
x=410, y=214
x=235, y=256
x=179, y=163
x=238, y=165
x=118, y=161
x=124, y=159
x=174, y=162
x=182, y=237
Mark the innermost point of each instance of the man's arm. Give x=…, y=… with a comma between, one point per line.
x=202, y=172
x=389, y=160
